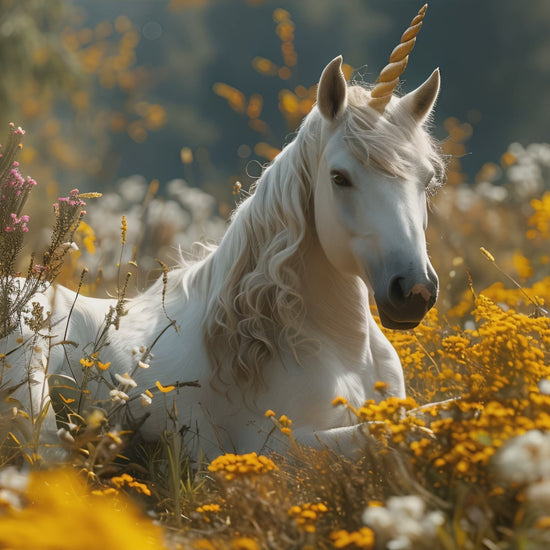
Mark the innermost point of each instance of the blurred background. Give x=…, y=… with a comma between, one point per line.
x=163, y=105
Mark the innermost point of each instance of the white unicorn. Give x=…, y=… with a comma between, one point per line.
x=277, y=316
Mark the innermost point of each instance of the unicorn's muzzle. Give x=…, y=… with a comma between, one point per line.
x=405, y=301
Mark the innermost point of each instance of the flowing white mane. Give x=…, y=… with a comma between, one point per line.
x=254, y=279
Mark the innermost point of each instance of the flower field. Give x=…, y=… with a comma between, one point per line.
x=463, y=463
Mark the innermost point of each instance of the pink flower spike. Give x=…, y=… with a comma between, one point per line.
x=63, y=199
x=16, y=164
x=74, y=192
x=25, y=218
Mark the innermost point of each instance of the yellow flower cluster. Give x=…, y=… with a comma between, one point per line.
x=417, y=351
x=363, y=538
x=207, y=509
x=126, y=480
x=54, y=496
x=237, y=543
x=538, y=293
x=244, y=543
x=389, y=417
x=91, y=360
x=492, y=371
x=232, y=465
x=307, y=515
x=283, y=423
x=540, y=219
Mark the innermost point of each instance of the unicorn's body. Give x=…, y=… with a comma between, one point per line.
x=344, y=357
x=278, y=316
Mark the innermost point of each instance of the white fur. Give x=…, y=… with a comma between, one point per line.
x=278, y=316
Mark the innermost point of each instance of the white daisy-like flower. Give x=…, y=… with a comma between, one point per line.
x=126, y=380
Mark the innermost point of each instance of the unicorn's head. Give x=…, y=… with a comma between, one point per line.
x=378, y=167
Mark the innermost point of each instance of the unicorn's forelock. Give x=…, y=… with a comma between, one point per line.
x=393, y=142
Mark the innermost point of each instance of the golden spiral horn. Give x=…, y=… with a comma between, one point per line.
x=389, y=76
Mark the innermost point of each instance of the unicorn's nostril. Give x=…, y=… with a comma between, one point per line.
x=400, y=292
x=396, y=290
x=421, y=290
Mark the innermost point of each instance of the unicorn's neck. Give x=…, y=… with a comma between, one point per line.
x=335, y=303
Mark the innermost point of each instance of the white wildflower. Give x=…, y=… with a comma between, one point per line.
x=13, y=485
x=118, y=396
x=539, y=494
x=525, y=458
x=11, y=478
x=380, y=520
x=146, y=400
x=404, y=522
x=125, y=380
x=544, y=386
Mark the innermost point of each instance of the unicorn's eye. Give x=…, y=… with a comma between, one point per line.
x=339, y=179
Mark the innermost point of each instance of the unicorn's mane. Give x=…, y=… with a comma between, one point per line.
x=258, y=306
x=255, y=306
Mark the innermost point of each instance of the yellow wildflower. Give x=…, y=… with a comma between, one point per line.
x=232, y=465
x=164, y=389
x=307, y=515
x=244, y=543
x=51, y=495
x=363, y=538
x=339, y=401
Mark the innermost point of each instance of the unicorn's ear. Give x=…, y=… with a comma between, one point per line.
x=332, y=93
x=420, y=102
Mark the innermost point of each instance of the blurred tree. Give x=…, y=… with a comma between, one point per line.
x=36, y=67
x=109, y=89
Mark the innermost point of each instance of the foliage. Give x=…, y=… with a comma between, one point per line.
x=15, y=291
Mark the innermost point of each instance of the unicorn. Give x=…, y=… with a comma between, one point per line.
x=277, y=316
